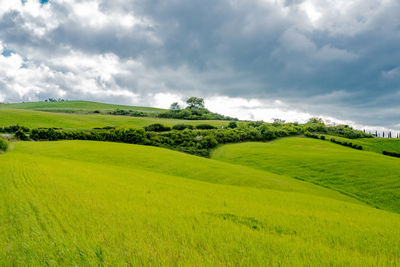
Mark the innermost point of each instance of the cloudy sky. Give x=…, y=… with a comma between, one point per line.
x=254, y=59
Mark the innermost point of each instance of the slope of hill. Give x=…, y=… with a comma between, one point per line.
x=377, y=145
x=370, y=177
x=37, y=119
x=92, y=203
x=75, y=106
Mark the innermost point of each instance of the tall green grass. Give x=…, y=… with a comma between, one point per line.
x=367, y=176
x=89, y=210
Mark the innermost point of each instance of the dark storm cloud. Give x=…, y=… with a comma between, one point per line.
x=342, y=61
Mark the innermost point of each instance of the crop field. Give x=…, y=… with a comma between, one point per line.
x=97, y=203
x=367, y=176
x=37, y=119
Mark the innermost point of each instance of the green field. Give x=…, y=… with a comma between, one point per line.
x=75, y=106
x=370, y=177
x=377, y=145
x=289, y=202
x=37, y=119
x=97, y=203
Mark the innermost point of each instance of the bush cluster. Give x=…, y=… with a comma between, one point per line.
x=348, y=144
x=132, y=113
x=13, y=129
x=180, y=127
x=194, y=113
x=3, y=144
x=392, y=154
x=157, y=127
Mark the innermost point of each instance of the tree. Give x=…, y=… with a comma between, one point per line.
x=175, y=107
x=232, y=125
x=195, y=102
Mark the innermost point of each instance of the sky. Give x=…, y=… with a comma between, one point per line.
x=253, y=59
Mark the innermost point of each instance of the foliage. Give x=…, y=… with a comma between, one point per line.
x=392, y=154
x=3, y=144
x=157, y=127
x=21, y=135
x=233, y=124
x=195, y=110
x=195, y=102
x=181, y=127
x=204, y=127
x=132, y=113
x=349, y=144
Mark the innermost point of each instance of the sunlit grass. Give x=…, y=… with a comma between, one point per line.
x=91, y=203
x=368, y=176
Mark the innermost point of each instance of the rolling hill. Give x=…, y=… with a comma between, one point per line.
x=97, y=203
x=368, y=176
x=37, y=119
x=75, y=106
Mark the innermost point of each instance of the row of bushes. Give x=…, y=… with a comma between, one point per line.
x=132, y=113
x=198, y=139
x=193, y=141
x=392, y=154
x=3, y=144
x=13, y=129
x=158, y=127
x=348, y=144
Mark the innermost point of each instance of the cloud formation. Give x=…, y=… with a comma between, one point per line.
x=337, y=59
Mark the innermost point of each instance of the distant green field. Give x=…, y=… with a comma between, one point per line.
x=36, y=119
x=91, y=203
x=373, y=144
x=370, y=177
x=75, y=106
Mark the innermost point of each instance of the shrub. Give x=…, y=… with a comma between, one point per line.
x=392, y=154
x=232, y=125
x=181, y=127
x=157, y=127
x=322, y=137
x=21, y=135
x=3, y=144
x=204, y=127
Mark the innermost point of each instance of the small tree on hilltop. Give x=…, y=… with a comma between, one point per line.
x=195, y=102
x=175, y=107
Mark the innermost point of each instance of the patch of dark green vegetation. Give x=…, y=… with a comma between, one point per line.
x=122, y=112
x=333, y=140
x=392, y=154
x=348, y=144
x=3, y=145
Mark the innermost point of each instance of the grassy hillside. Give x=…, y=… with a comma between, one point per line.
x=75, y=106
x=370, y=177
x=36, y=119
x=372, y=144
x=91, y=203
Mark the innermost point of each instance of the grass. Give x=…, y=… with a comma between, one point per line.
x=377, y=145
x=367, y=176
x=75, y=106
x=37, y=119
x=90, y=203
